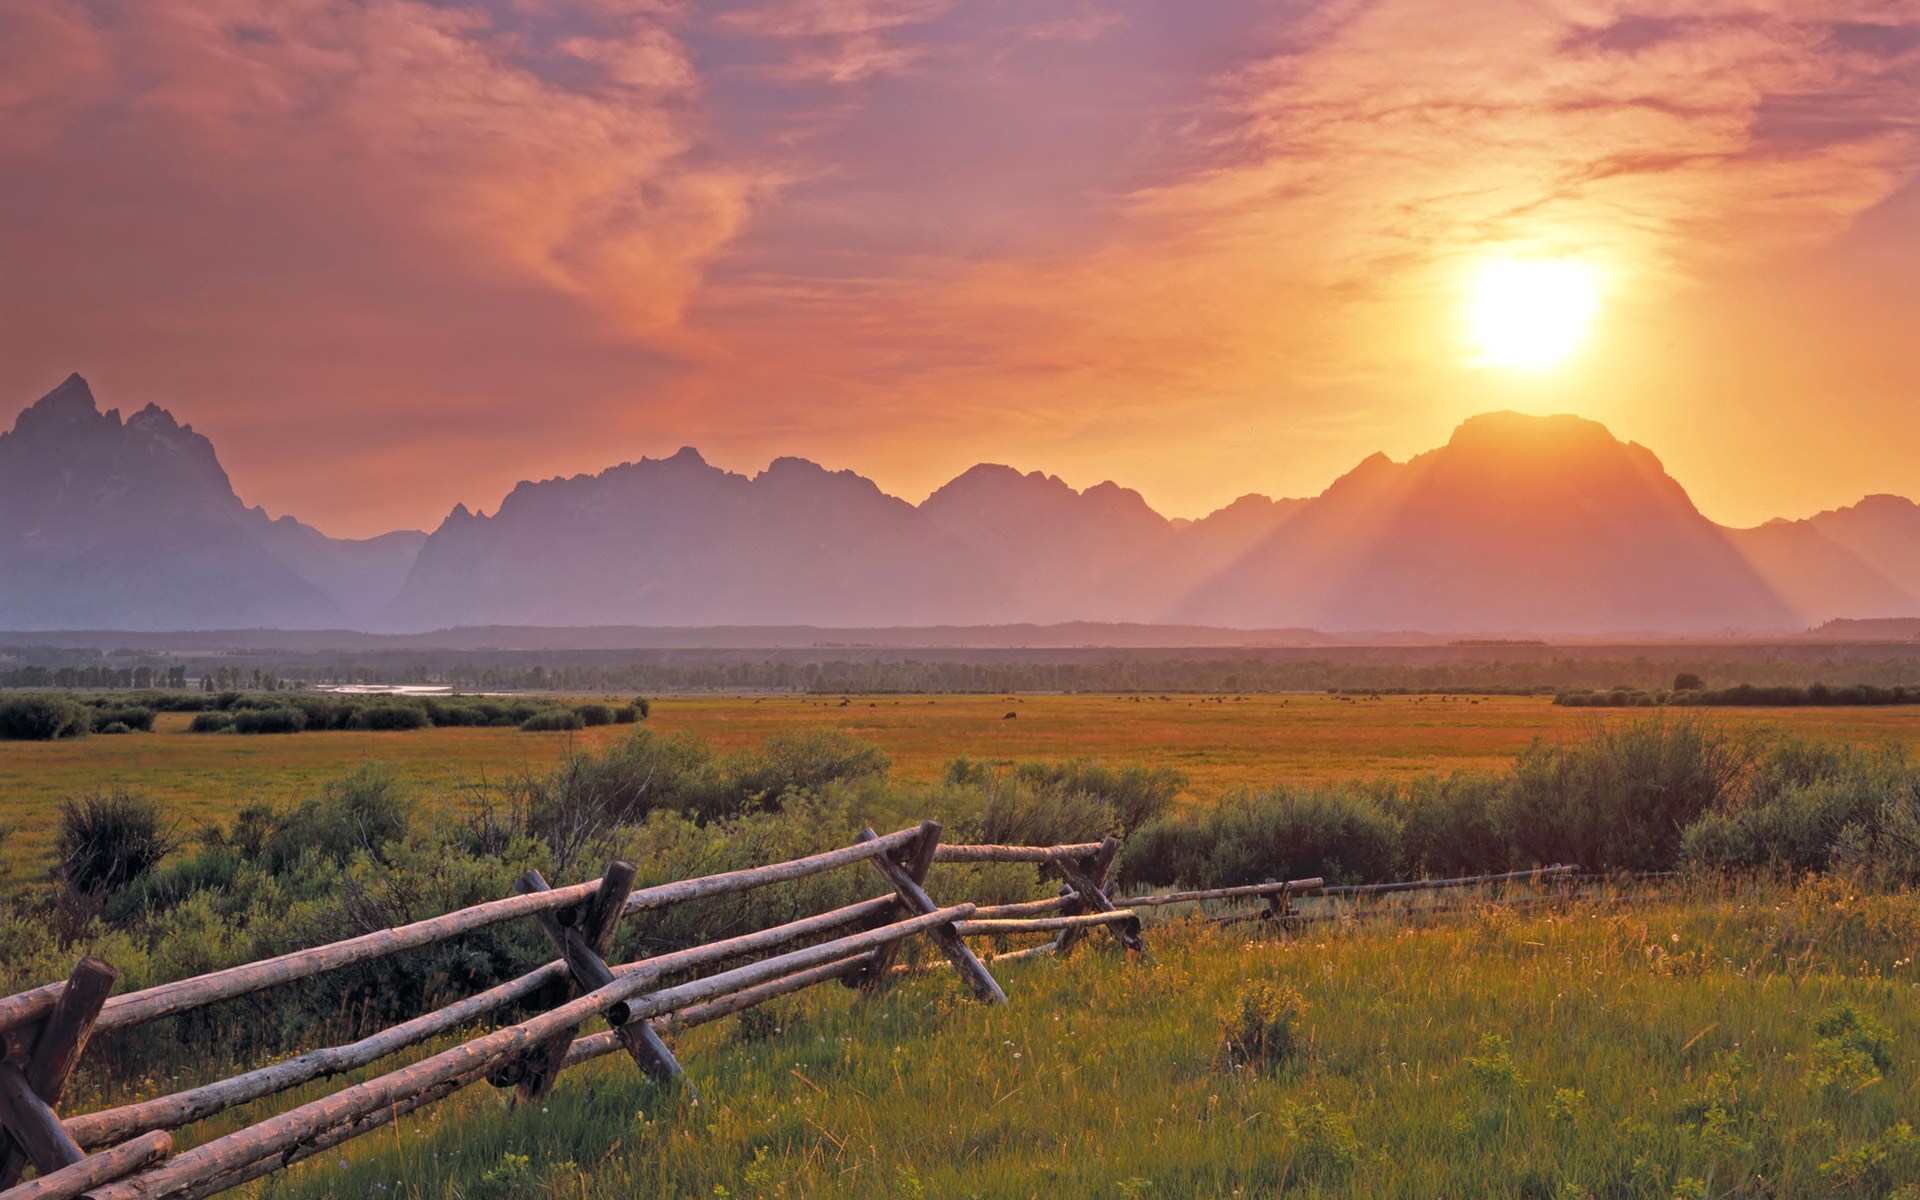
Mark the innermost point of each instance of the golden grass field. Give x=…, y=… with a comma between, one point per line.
x=1221, y=745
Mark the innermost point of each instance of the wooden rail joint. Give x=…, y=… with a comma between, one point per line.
x=1087, y=877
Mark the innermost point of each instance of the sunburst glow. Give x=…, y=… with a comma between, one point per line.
x=1531, y=313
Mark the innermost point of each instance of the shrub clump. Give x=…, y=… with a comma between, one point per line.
x=1261, y=1027
x=392, y=717
x=128, y=717
x=107, y=840
x=556, y=720
x=1343, y=833
x=269, y=720
x=43, y=718
x=211, y=721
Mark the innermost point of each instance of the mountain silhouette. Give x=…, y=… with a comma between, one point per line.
x=1519, y=524
x=133, y=524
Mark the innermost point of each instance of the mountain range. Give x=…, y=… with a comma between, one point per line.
x=1519, y=524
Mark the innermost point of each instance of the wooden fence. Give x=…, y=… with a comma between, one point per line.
x=125, y=1152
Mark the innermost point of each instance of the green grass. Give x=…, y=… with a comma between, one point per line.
x=1669, y=1050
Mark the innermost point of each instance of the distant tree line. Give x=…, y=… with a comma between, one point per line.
x=52, y=716
x=1382, y=670
x=129, y=678
x=1745, y=695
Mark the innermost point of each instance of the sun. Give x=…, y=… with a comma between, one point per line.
x=1531, y=313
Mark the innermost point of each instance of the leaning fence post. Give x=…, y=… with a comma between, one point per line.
x=915, y=897
x=581, y=947
x=28, y=1098
x=1087, y=880
x=916, y=860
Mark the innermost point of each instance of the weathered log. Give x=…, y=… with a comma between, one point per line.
x=594, y=1045
x=458, y=1065
x=964, y=960
x=590, y=973
x=749, y=878
x=1429, y=885
x=24, y=1008
x=195, y=1104
x=323, y=1140
x=742, y=945
x=1041, y=951
x=1025, y=908
x=1372, y=913
x=976, y=928
x=1296, y=886
x=63, y=1039
x=136, y=1008
x=96, y=1169
x=952, y=853
x=915, y=860
x=34, y=1124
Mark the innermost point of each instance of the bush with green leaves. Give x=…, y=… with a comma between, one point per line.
x=801, y=762
x=555, y=720
x=128, y=716
x=1261, y=1027
x=391, y=717
x=211, y=721
x=1341, y=832
x=1135, y=792
x=362, y=812
x=284, y=719
x=42, y=718
x=108, y=839
x=594, y=714
x=1621, y=798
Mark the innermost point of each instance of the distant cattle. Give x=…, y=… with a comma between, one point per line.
x=1012, y=716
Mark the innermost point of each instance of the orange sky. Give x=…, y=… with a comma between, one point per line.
x=392, y=255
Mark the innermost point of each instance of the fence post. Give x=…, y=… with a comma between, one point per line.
x=581, y=946
x=915, y=897
x=1086, y=879
x=915, y=861
x=1279, y=905
x=28, y=1098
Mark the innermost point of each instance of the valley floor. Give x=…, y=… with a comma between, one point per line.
x=1219, y=744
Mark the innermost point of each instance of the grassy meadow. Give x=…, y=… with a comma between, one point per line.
x=1749, y=1029
x=1723, y=1043
x=1221, y=745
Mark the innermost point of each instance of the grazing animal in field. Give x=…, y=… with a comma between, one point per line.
x=1012, y=716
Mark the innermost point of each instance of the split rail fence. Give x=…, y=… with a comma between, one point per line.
x=126, y=1152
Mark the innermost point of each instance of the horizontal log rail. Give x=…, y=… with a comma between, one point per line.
x=168, y=999
x=105, y=1167
x=1425, y=910
x=1031, y=854
x=1025, y=908
x=979, y=928
x=1246, y=892
x=706, y=886
x=1430, y=885
x=24, y=1009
